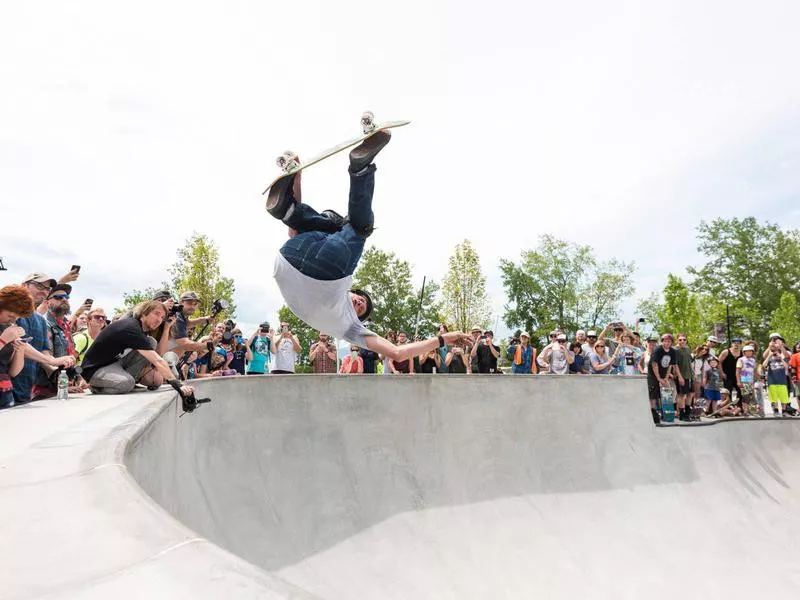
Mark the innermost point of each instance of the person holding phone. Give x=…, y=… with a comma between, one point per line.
x=286, y=347
x=322, y=355
x=259, y=344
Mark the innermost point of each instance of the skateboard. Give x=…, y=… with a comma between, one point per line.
x=667, y=405
x=291, y=164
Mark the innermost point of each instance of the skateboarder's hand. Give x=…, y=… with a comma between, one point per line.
x=455, y=337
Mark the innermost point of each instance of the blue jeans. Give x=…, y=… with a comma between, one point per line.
x=322, y=251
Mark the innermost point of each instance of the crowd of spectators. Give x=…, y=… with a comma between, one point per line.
x=164, y=340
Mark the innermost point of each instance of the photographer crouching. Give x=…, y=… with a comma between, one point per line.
x=126, y=353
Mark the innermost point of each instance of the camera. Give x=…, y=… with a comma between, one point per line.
x=176, y=308
x=219, y=306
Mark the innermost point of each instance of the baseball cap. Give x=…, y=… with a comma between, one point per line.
x=475, y=328
x=748, y=347
x=667, y=336
x=776, y=336
x=162, y=295
x=736, y=339
x=61, y=287
x=525, y=334
x=712, y=357
x=561, y=336
x=189, y=296
x=713, y=338
x=40, y=278
x=591, y=333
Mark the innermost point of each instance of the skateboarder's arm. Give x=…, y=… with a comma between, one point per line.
x=407, y=351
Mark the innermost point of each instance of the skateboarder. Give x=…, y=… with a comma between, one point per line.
x=314, y=268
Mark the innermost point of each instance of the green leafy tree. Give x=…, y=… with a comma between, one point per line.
x=750, y=265
x=197, y=269
x=387, y=279
x=562, y=284
x=466, y=302
x=134, y=297
x=680, y=311
x=306, y=334
x=786, y=318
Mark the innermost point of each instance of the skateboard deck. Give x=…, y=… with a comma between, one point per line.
x=667, y=405
x=290, y=163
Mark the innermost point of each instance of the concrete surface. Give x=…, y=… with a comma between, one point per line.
x=415, y=488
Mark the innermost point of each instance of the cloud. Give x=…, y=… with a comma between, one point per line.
x=618, y=125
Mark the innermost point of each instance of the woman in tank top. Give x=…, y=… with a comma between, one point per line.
x=727, y=362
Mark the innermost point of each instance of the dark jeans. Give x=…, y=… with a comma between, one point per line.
x=320, y=250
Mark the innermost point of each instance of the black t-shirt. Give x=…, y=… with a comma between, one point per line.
x=664, y=359
x=237, y=363
x=487, y=362
x=112, y=342
x=457, y=364
x=369, y=357
x=427, y=365
x=180, y=330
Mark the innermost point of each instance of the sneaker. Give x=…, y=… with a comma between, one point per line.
x=775, y=412
x=280, y=197
x=656, y=415
x=363, y=154
x=789, y=411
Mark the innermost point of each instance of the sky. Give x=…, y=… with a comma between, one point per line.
x=126, y=127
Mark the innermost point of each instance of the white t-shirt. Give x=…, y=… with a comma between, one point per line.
x=285, y=356
x=325, y=305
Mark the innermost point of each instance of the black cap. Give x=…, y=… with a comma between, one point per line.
x=61, y=287
x=163, y=295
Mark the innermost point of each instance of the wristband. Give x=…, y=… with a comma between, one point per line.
x=176, y=385
x=441, y=342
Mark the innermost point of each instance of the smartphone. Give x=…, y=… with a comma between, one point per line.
x=76, y=268
x=88, y=301
x=264, y=330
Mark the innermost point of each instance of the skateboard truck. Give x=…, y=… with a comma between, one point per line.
x=367, y=122
x=288, y=162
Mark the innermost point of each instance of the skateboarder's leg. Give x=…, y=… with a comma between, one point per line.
x=282, y=204
x=359, y=209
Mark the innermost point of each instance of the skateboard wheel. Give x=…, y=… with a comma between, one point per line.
x=368, y=122
x=287, y=161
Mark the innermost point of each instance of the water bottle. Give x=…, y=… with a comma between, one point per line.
x=63, y=385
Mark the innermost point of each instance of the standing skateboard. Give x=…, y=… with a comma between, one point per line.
x=291, y=164
x=667, y=404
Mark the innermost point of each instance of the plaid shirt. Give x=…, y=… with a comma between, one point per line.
x=323, y=362
x=36, y=327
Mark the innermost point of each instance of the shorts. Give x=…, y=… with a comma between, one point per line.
x=654, y=390
x=686, y=388
x=778, y=393
x=748, y=393
x=713, y=395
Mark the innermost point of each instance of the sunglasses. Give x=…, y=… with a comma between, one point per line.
x=99, y=317
x=60, y=297
x=600, y=346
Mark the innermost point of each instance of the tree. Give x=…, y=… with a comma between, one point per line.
x=561, y=284
x=466, y=303
x=134, y=297
x=306, y=334
x=750, y=265
x=197, y=269
x=387, y=280
x=786, y=318
x=679, y=312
